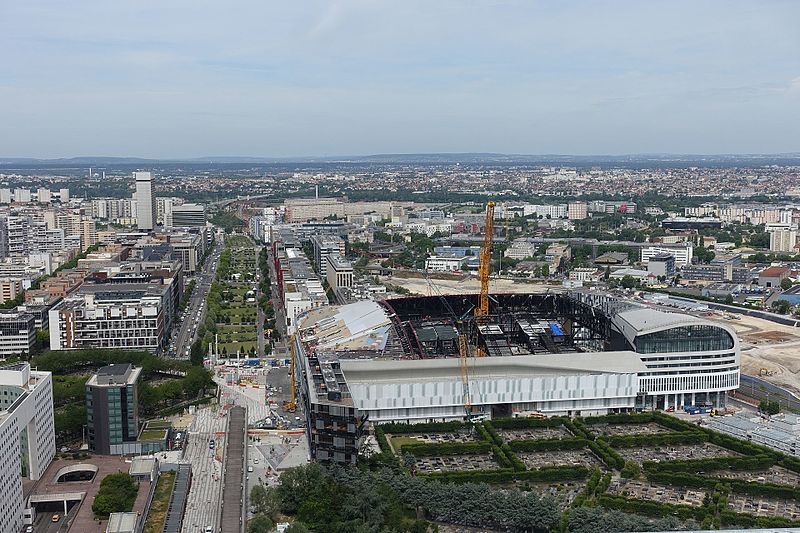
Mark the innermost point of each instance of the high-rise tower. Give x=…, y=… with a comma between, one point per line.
x=145, y=201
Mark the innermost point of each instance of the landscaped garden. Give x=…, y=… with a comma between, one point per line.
x=232, y=307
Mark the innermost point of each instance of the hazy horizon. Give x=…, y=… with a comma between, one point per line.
x=182, y=80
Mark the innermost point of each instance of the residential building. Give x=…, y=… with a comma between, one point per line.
x=112, y=411
x=145, y=201
x=683, y=253
x=783, y=240
x=133, y=316
x=28, y=442
x=577, y=210
x=17, y=333
x=10, y=288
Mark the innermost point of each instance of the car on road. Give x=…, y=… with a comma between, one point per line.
x=209, y=529
x=56, y=517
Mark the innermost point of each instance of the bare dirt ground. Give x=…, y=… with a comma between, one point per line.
x=768, y=349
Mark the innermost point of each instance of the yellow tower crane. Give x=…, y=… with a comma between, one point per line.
x=483, y=308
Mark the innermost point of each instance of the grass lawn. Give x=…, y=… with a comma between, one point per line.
x=158, y=509
x=153, y=434
x=399, y=442
x=238, y=241
x=156, y=424
x=232, y=347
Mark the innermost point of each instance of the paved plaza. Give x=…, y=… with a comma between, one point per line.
x=205, y=493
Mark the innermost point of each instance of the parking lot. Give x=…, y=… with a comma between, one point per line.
x=560, y=458
x=644, y=490
x=675, y=452
x=450, y=463
x=533, y=433
x=628, y=429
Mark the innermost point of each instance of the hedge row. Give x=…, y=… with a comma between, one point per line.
x=577, y=428
x=383, y=442
x=652, y=508
x=501, y=458
x=516, y=463
x=742, y=487
x=540, y=445
x=505, y=475
x=609, y=456
x=759, y=462
x=447, y=448
x=432, y=427
x=729, y=518
x=657, y=439
x=524, y=423
x=673, y=423
x=619, y=418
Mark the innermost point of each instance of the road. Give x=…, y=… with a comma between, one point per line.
x=232, y=520
x=184, y=336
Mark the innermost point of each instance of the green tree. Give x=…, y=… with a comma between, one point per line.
x=629, y=282
x=781, y=306
x=260, y=523
x=770, y=407
x=786, y=284
x=545, y=271
x=117, y=494
x=296, y=527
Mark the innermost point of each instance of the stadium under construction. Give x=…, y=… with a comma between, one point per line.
x=421, y=359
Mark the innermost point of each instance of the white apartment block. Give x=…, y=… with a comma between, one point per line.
x=133, y=317
x=782, y=240
x=27, y=437
x=683, y=253
x=339, y=271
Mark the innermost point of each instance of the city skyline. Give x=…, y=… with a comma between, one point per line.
x=372, y=78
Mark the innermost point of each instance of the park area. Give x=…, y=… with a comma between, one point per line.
x=649, y=465
x=232, y=304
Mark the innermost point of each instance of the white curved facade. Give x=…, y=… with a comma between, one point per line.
x=689, y=360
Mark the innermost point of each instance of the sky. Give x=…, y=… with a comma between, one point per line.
x=192, y=78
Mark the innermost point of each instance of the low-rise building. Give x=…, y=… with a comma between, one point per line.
x=773, y=275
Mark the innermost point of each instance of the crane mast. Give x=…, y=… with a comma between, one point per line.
x=486, y=261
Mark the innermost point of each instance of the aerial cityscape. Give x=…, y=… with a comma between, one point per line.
x=474, y=272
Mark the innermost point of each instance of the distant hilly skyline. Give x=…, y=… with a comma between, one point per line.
x=433, y=157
